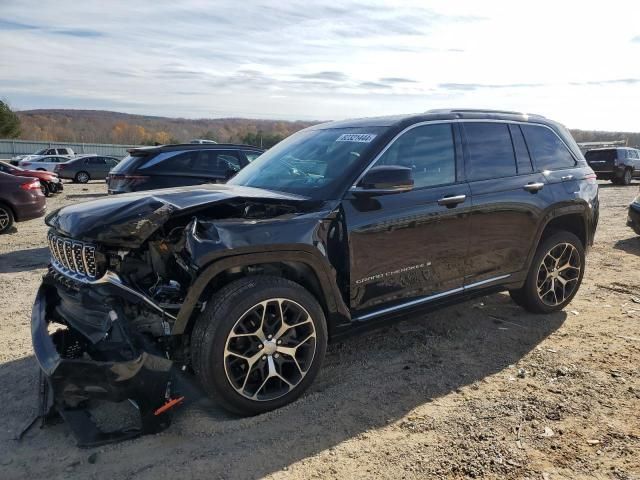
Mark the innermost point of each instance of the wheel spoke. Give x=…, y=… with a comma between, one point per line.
x=261, y=365
x=558, y=274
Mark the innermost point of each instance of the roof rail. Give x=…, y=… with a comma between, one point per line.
x=478, y=110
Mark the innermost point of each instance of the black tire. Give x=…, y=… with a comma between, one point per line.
x=212, y=335
x=528, y=297
x=626, y=177
x=41, y=169
x=6, y=218
x=46, y=190
x=82, y=177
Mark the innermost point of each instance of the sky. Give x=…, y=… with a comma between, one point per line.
x=575, y=62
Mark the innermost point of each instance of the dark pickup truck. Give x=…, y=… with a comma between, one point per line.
x=337, y=228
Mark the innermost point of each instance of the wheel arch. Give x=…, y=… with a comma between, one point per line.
x=11, y=208
x=299, y=266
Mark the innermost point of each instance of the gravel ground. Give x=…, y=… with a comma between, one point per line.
x=481, y=390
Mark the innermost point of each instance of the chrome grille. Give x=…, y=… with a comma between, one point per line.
x=72, y=256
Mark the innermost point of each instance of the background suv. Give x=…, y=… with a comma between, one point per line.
x=167, y=166
x=339, y=227
x=619, y=165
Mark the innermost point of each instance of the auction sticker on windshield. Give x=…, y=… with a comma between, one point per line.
x=356, y=137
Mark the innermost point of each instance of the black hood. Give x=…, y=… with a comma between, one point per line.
x=129, y=220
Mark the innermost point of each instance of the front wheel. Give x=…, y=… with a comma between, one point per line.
x=259, y=344
x=554, y=276
x=626, y=177
x=46, y=190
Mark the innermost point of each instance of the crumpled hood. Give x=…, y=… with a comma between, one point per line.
x=129, y=220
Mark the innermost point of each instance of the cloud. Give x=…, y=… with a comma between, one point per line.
x=397, y=80
x=328, y=76
x=480, y=86
x=636, y=39
x=72, y=32
x=616, y=81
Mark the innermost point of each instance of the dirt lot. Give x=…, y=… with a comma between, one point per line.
x=479, y=390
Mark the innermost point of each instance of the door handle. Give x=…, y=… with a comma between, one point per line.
x=534, y=187
x=566, y=178
x=452, y=201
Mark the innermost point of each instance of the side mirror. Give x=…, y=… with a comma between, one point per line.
x=385, y=179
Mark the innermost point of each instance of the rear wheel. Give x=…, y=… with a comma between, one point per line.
x=82, y=177
x=6, y=218
x=554, y=276
x=259, y=344
x=626, y=177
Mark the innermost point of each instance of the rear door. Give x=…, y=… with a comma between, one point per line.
x=508, y=198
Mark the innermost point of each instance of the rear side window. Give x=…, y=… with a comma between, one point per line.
x=430, y=153
x=490, y=151
x=127, y=164
x=634, y=153
x=548, y=151
x=203, y=162
x=63, y=151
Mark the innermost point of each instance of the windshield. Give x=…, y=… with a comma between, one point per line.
x=40, y=152
x=313, y=163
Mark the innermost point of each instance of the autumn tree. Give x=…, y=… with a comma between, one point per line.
x=9, y=122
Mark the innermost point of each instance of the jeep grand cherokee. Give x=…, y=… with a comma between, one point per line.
x=341, y=226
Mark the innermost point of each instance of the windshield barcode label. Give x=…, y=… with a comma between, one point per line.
x=356, y=137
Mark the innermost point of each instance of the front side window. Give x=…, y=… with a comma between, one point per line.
x=548, y=151
x=430, y=153
x=490, y=151
x=318, y=163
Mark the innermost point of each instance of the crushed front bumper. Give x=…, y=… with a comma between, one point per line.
x=77, y=369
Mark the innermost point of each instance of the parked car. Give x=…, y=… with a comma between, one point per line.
x=21, y=199
x=58, y=151
x=338, y=227
x=633, y=217
x=167, y=166
x=619, y=165
x=47, y=163
x=49, y=182
x=85, y=168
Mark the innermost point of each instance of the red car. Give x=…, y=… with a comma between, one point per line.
x=21, y=199
x=49, y=182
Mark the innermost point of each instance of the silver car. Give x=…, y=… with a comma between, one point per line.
x=42, y=163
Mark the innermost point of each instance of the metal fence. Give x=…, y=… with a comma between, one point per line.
x=10, y=148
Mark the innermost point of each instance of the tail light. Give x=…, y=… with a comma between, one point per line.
x=32, y=185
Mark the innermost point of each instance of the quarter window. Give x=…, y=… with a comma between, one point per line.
x=548, y=151
x=522, y=154
x=429, y=152
x=490, y=151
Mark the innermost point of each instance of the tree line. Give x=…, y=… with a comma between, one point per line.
x=96, y=126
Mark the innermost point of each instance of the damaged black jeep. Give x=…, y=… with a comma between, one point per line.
x=338, y=227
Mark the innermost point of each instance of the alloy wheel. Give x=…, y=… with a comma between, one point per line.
x=558, y=274
x=5, y=219
x=83, y=177
x=270, y=349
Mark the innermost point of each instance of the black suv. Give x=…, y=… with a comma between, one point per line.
x=166, y=166
x=339, y=227
x=619, y=165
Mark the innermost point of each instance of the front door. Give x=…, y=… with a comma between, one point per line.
x=408, y=246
